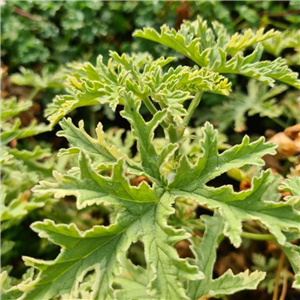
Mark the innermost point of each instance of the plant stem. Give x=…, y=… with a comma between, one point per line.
x=149, y=105
x=92, y=123
x=258, y=237
x=251, y=229
x=248, y=235
x=280, y=265
x=284, y=285
x=173, y=134
x=195, y=102
x=33, y=93
x=279, y=122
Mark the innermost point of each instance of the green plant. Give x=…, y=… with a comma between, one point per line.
x=176, y=164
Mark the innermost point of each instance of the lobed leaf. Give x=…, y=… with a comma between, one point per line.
x=17, y=208
x=258, y=100
x=92, y=188
x=141, y=215
x=292, y=185
x=11, y=107
x=144, y=133
x=234, y=207
x=220, y=53
x=293, y=254
x=282, y=41
x=142, y=76
x=212, y=164
x=205, y=256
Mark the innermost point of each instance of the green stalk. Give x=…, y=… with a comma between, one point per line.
x=193, y=105
x=251, y=229
x=149, y=105
x=258, y=237
x=173, y=134
x=279, y=122
x=92, y=123
x=34, y=93
x=246, y=235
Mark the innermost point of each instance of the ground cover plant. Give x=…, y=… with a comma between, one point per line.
x=152, y=174
x=166, y=205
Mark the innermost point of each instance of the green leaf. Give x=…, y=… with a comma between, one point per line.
x=101, y=151
x=142, y=213
x=221, y=53
x=9, y=132
x=11, y=107
x=258, y=100
x=16, y=208
x=245, y=206
x=142, y=76
x=292, y=185
x=229, y=283
x=89, y=86
x=212, y=164
x=293, y=254
x=144, y=133
x=133, y=280
x=286, y=39
x=8, y=292
x=46, y=80
x=5, y=156
x=92, y=188
x=205, y=256
x=98, y=148
x=190, y=182
x=162, y=258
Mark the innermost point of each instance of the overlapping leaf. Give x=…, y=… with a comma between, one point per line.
x=205, y=256
x=292, y=185
x=141, y=216
x=144, y=211
x=142, y=76
x=11, y=108
x=258, y=100
x=16, y=208
x=46, y=80
x=284, y=40
x=11, y=125
x=20, y=170
x=221, y=53
x=234, y=207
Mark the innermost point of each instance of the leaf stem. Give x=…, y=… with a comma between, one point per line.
x=247, y=235
x=149, y=105
x=173, y=134
x=280, y=265
x=278, y=122
x=284, y=285
x=251, y=229
x=194, y=103
x=34, y=93
x=258, y=236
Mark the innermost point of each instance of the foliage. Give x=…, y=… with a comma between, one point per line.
x=146, y=212
x=91, y=27
x=174, y=162
x=41, y=32
x=259, y=100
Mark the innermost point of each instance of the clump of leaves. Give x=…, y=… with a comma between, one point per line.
x=20, y=171
x=93, y=263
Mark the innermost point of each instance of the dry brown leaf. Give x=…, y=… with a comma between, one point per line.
x=137, y=180
x=245, y=184
x=293, y=131
x=286, y=146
